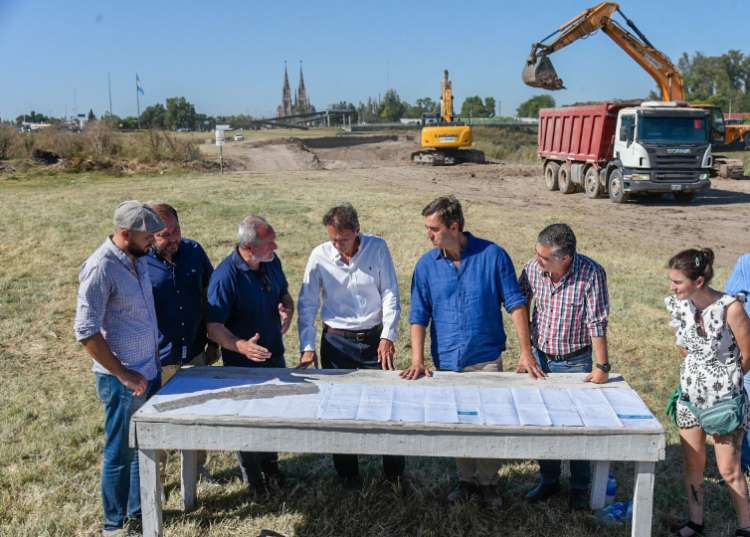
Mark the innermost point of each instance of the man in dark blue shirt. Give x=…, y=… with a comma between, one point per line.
x=179, y=270
x=249, y=311
x=458, y=289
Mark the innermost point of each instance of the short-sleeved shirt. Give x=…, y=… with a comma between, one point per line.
x=567, y=314
x=116, y=301
x=739, y=280
x=179, y=296
x=462, y=305
x=246, y=302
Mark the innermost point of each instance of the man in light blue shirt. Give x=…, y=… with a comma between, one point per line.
x=739, y=284
x=116, y=324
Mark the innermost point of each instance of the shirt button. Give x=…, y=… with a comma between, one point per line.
x=178, y=291
x=180, y=307
x=183, y=324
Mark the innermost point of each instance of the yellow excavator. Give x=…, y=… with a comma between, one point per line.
x=444, y=143
x=540, y=73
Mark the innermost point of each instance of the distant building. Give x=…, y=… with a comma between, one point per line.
x=301, y=104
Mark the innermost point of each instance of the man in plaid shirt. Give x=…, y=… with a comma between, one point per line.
x=569, y=321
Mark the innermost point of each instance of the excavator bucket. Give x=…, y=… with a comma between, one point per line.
x=540, y=73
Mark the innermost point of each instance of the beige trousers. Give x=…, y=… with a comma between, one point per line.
x=167, y=372
x=480, y=471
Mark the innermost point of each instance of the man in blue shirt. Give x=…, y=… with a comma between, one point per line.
x=457, y=289
x=739, y=283
x=249, y=311
x=179, y=270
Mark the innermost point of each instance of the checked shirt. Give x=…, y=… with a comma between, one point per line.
x=566, y=314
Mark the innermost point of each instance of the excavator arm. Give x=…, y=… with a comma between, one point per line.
x=540, y=73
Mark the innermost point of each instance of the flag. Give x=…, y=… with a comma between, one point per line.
x=138, y=86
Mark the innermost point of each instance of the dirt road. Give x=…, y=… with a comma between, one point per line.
x=717, y=218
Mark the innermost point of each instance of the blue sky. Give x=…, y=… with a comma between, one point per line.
x=228, y=56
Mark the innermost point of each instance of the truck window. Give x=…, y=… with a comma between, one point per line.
x=672, y=130
x=627, y=124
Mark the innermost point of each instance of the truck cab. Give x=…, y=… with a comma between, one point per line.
x=661, y=147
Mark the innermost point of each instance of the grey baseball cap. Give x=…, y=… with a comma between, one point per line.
x=137, y=216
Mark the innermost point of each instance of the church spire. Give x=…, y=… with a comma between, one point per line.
x=285, y=109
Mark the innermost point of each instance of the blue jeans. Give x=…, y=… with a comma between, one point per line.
x=580, y=471
x=745, y=456
x=121, y=490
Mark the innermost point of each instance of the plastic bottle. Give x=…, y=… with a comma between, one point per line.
x=611, y=489
x=612, y=515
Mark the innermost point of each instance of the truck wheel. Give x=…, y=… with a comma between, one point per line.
x=684, y=197
x=616, y=188
x=591, y=185
x=550, y=175
x=564, y=180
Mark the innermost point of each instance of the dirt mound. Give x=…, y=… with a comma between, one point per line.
x=271, y=155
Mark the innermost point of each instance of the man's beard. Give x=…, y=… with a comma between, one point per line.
x=135, y=251
x=270, y=258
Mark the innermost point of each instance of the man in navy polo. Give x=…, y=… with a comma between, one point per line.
x=458, y=289
x=180, y=270
x=249, y=311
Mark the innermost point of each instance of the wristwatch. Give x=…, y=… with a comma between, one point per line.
x=604, y=367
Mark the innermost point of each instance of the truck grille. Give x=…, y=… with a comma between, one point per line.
x=686, y=176
x=676, y=161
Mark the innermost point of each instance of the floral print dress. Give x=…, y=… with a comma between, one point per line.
x=712, y=369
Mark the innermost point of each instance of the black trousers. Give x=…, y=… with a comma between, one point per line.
x=340, y=352
x=254, y=464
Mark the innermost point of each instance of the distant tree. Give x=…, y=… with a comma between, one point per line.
x=392, y=108
x=475, y=107
x=154, y=117
x=129, y=122
x=92, y=116
x=33, y=117
x=423, y=105
x=531, y=107
x=722, y=80
x=180, y=114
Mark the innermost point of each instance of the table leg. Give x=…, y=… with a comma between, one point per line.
x=643, y=499
x=599, y=476
x=148, y=463
x=189, y=471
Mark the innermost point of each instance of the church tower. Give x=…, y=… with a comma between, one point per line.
x=302, y=104
x=285, y=108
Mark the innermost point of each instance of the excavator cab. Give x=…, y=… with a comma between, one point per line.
x=540, y=73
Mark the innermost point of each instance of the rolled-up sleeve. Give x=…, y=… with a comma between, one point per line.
x=93, y=294
x=597, y=304
x=420, y=310
x=512, y=295
x=221, y=295
x=308, y=304
x=390, y=296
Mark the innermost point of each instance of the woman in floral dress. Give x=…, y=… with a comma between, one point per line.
x=713, y=334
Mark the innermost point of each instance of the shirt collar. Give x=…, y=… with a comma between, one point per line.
x=124, y=258
x=336, y=255
x=240, y=263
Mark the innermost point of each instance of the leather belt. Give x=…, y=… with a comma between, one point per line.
x=562, y=357
x=357, y=335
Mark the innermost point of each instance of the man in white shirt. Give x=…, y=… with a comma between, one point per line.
x=354, y=274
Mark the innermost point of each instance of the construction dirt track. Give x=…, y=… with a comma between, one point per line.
x=717, y=218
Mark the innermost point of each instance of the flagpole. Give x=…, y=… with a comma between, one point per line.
x=138, y=100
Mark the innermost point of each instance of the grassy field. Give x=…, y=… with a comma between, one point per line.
x=51, y=430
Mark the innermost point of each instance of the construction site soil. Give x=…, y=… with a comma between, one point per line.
x=717, y=218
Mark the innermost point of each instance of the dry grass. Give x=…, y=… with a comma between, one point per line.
x=51, y=423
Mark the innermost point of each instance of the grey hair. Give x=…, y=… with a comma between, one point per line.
x=560, y=237
x=247, y=233
x=342, y=217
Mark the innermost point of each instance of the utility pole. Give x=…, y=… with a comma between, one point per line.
x=138, y=99
x=109, y=90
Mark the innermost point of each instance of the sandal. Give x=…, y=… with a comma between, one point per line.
x=697, y=529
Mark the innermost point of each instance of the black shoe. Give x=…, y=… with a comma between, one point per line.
x=463, y=492
x=688, y=529
x=542, y=492
x=578, y=500
x=352, y=483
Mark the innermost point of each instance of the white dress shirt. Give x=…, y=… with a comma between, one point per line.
x=356, y=296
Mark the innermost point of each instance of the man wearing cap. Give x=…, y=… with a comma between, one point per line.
x=179, y=270
x=116, y=324
x=249, y=311
x=353, y=273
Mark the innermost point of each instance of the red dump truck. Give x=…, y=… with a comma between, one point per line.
x=625, y=149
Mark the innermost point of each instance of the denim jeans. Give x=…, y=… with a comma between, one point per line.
x=580, y=471
x=745, y=456
x=121, y=490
